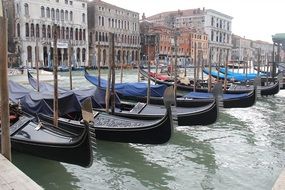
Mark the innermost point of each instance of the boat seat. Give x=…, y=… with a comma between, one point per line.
x=138, y=108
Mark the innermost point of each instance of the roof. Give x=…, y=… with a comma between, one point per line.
x=279, y=37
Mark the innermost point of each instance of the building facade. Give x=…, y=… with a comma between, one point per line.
x=162, y=43
x=215, y=24
x=32, y=26
x=104, y=18
x=242, y=50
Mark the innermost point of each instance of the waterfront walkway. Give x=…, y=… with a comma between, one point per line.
x=280, y=182
x=13, y=178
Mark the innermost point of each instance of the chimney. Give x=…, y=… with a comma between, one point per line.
x=203, y=9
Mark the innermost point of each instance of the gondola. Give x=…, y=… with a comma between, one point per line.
x=118, y=129
x=232, y=88
x=203, y=115
x=60, y=69
x=46, y=141
x=197, y=99
x=106, y=127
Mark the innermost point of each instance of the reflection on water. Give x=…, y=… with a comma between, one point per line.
x=48, y=174
x=244, y=149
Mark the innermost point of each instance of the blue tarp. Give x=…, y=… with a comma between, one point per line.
x=214, y=73
x=243, y=76
x=129, y=89
x=234, y=77
x=205, y=95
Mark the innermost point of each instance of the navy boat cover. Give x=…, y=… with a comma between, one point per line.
x=206, y=95
x=129, y=89
x=42, y=102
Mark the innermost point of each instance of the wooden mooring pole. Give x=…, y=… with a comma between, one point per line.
x=112, y=62
x=99, y=62
x=5, y=122
x=226, y=71
x=37, y=65
x=110, y=66
x=121, y=58
x=70, y=54
x=148, y=70
x=195, y=66
x=210, y=70
x=55, y=65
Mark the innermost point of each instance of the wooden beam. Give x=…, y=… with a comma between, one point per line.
x=37, y=65
x=148, y=70
x=55, y=65
x=70, y=54
x=112, y=62
x=5, y=122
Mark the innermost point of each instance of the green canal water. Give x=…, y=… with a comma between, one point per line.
x=244, y=149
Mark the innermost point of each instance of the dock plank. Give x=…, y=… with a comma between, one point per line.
x=13, y=178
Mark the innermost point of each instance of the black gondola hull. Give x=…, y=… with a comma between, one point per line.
x=110, y=128
x=51, y=143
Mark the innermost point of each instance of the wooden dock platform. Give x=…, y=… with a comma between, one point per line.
x=280, y=182
x=13, y=178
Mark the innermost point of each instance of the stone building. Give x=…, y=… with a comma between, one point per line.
x=242, y=50
x=215, y=24
x=31, y=25
x=104, y=18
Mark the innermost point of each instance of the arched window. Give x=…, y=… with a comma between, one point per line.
x=96, y=36
x=71, y=33
x=42, y=11
x=32, y=30
x=29, y=51
x=48, y=32
x=57, y=14
x=67, y=33
x=76, y=34
x=26, y=9
x=27, y=30
x=48, y=12
x=44, y=31
x=83, y=18
x=99, y=21
x=18, y=30
x=66, y=15
x=80, y=34
x=103, y=37
x=83, y=55
x=71, y=16
x=52, y=14
x=18, y=9
x=103, y=21
x=84, y=35
x=78, y=54
x=62, y=15
x=37, y=30
x=62, y=32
